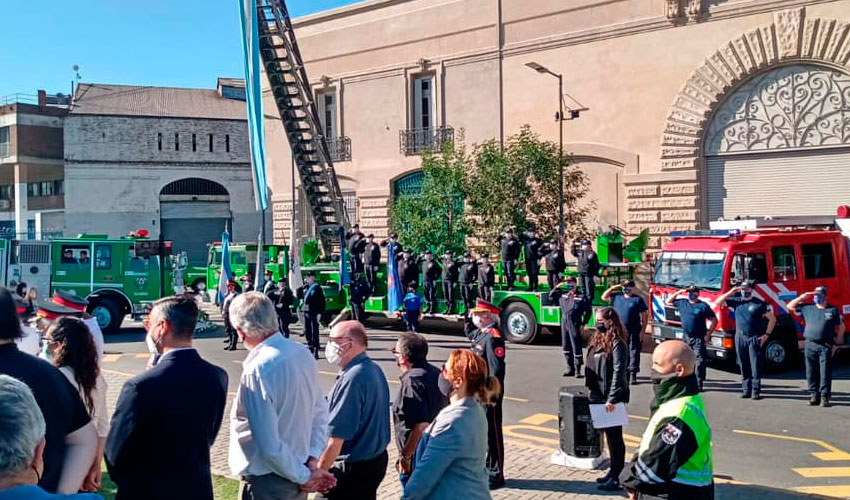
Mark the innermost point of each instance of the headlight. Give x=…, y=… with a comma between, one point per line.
x=656, y=330
x=717, y=341
x=202, y=286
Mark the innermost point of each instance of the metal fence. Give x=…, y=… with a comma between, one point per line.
x=340, y=148
x=416, y=141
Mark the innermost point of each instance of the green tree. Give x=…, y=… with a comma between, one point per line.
x=435, y=219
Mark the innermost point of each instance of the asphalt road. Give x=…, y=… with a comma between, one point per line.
x=778, y=442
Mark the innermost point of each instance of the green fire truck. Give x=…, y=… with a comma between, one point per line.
x=117, y=276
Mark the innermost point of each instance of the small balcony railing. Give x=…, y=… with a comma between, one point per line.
x=415, y=141
x=340, y=148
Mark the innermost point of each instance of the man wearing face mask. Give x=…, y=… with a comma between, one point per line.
x=488, y=343
x=372, y=256
x=588, y=266
x=674, y=460
x=694, y=314
x=486, y=278
x=313, y=306
x=824, y=332
x=431, y=271
x=359, y=426
x=468, y=277
x=634, y=314
x=575, y=313
x=451, y=272
x=750, y=334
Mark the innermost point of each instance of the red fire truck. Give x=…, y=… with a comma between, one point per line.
x=784, y=257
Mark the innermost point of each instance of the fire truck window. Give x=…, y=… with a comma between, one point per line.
x=757, y=268
x=138, y=265
x=817, y=261
x=784, y=264
x=74, y=256
x=102, y=256
x=238, y=259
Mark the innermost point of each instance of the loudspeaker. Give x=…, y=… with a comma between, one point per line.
x=578, y=437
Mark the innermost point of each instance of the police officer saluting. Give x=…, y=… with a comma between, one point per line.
x=283, y=300
x=750, y=334
x=488, y=343
x=431, y=271
x=392, y=244
x=634, y=314
x=694, y=313
x=824, y=327
x=408, y=269
x=486, y=278
x=588, y=267
x=532, y=245
x=555, y=262
x=356, y=246
x=510, y=249
x=468, y=278
x=576, y=310
x=372, y=257
x=359, y=292
x=451, y=272
x=313, y=306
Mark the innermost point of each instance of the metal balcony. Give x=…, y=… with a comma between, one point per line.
x=415, y=141
x=340, y=148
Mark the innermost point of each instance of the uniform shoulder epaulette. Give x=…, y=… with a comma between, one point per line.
x=493, y=331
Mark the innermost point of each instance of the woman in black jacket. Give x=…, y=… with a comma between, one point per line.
x=607, y=382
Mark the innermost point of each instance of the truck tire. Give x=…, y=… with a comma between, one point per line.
x=199, y=285
x=519, y=324
x=108, y=315
x=780, y=351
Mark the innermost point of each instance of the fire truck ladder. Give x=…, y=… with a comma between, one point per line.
x=294, y=98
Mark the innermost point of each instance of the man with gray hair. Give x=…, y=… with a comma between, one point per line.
x=279, y=421
x=22, y=442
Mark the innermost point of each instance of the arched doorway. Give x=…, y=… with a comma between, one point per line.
x=780, y=145
x=193, y=213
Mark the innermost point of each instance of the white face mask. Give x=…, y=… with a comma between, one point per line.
x=332, y=353
x=477, y=321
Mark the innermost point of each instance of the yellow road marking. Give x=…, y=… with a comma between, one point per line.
x=510, y=430
x=116, y=372
x=638, y=417
x=823, y=471
x=519, y=400
x=142, y=355
x=842, y=491
x=831, y=456
x=791, y=438
x=110, y=358
x=538, y=419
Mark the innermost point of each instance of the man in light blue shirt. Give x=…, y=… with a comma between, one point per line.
x=279, y=421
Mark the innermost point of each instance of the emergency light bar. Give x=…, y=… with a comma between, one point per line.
x=706, y=233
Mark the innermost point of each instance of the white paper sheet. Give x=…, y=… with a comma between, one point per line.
x=603, y=419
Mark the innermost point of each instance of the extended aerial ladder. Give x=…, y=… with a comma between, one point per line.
x=294, y=99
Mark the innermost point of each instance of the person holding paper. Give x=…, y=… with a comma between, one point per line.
x=607, y=383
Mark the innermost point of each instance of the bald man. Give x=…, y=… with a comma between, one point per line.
x=674, y=459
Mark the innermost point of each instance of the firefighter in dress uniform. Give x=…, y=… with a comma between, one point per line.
x=358, y=291
x=510, y=249
x=576, y=310
x=283, y=300
x=372, y=257
x=431, y=271
x=532, y=246
x=486, y=278
x=451, y=273
x=232, y=292
x=408, y=268
x=356, y=246
x=488, y=343
x=553, y=254
x=468, y=278
x=588, y=267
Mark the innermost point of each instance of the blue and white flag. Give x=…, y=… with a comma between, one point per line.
x=394, y=295
x=226, y=272
x=254, y=94
x=344, y=278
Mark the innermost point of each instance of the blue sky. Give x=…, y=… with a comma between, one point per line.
x=179, y=43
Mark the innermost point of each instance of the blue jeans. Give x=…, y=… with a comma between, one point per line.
x=748, y=351
x=635, y=348
x=819, y=368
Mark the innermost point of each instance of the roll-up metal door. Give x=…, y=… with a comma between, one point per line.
x=191, y=225
x=788, y=183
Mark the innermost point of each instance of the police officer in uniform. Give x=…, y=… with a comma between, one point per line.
x=576, y=310
x=358, y=291
x=232, y=292
x=356, y=246
x=674, y=460
x=283, y=300
x=392, y=243
x=694, y=313
x=468, y=278
x=486, y=278
x=408, y=269
x=451, y=272
x=750, y=334
x=510, y=249
x=532, y=246
x=312, y=306
x=588, y=267
x=488, y=343
x=372, y=257
x=431, y=271
x=553, y=255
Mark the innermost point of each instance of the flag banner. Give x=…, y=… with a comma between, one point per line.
x=295, y=279
x=344, y=278
x=226, y=273
x=254, y=99
x=393, y=281
x=260, y=277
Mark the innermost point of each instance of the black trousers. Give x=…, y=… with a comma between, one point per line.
x=358, y=312
x=617, y=450
x=449, y=295
x=311, y=329
x=588, y=285
x=430, y=295
x=553, y=279
x=509, y=267
x=372, y=278
x=283, y=324
x=232, y=338
x=411, y=319
x=698, y=345
x=357, y=480
x=485, y=292
x=533, y=271
x=467, y=293
x=819, y=368
x=749, y=354
x=356, y=261
x=571, y=344
x=495, y=443
x=635, y=348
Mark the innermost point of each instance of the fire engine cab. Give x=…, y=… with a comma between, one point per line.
x=785, y=257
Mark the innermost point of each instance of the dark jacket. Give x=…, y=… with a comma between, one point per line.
x=575, y=308
x=510, y=247
x=372, y=254
x=451, y=270
x=165, y=422
x=532, y=248
x=283, y=302
x=359, y=291
x=554, y=257
x=312, y=297
x=408, y=271
x=486, y=275
x=605, y=374
x=469, y=273
x=394, y=245
x=489, y=344
x=588, y=262
x=355, y=241
x=431, y=270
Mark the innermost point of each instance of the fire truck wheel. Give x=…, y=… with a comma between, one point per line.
x=199, y=285
x=519, y=323
x=778, y=353
x=108, y=315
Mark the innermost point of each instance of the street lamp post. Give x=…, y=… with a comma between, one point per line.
x=559, y=117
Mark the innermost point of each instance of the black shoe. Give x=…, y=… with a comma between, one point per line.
x=745, y=395
x=579, y=374
x=633, y=380
x=814, y=400
x=225, y=341
x=701, y=388
x=610, y=485
x=496, y=484
x=604, y=479
x=231, y=347
x=824, y=402
x=756, y=396
x=569, y=373
x=316, y=353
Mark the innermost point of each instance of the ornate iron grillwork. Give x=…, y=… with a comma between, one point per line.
x=340, y=148
x=415, y=141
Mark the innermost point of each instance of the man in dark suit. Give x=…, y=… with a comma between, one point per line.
x=167, y=419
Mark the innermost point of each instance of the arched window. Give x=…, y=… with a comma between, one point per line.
x=409, y=185
x=194, y=187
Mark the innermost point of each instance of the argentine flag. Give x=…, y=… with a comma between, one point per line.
x=226, y=273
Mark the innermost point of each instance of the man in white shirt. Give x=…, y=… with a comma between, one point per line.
x=279, y=421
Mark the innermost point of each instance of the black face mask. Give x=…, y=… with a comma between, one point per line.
x=669, y=386
x=601, y=327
